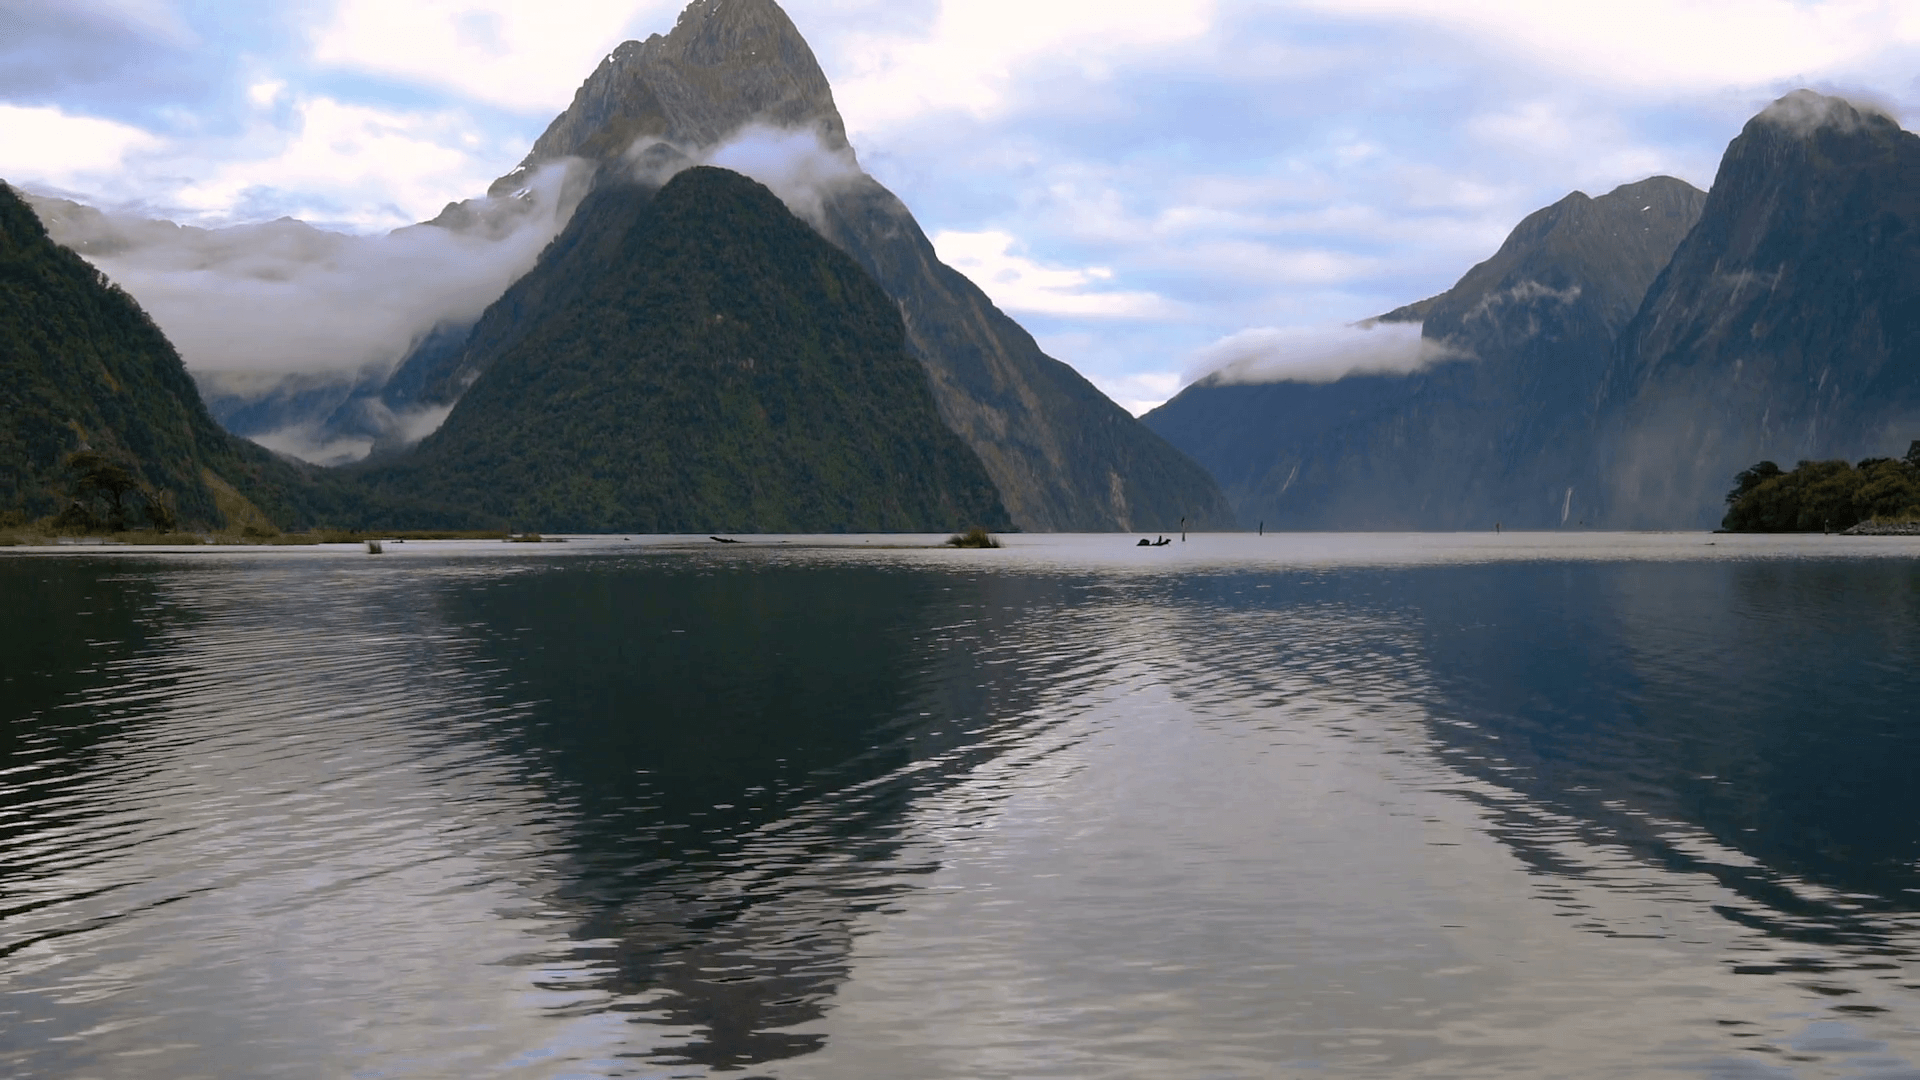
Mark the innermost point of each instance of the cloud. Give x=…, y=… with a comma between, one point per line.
x=1319, y=354
x=1142, y=391
x=1223, y=163
x=1804, y=110
x=346, y=164
x=1019, y=284
x=317, y=158
x=1519, y=293
x=77, y=43
x=251, y=306
x=523, y=57
x=969, y=56
x=1662, y=45
x=792, y=164
x=45, y=145
x=314, y=442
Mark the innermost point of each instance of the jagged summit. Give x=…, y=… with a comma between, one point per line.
x=1610, y=248
x=725, y=64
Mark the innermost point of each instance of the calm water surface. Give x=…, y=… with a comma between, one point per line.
x=1312, y=806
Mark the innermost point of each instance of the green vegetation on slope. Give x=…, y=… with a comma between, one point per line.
x=1821, y=496
x=696, y=360
x=99, y=422
x=103, y=431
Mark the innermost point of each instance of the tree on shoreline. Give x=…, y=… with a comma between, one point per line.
x=1823, y=496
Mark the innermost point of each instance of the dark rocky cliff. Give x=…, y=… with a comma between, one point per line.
x=1063, y=456
x=1787, y=326
x=1502, y=435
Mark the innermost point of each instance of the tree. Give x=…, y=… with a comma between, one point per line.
x=160, y=509
x=1752, y=478
x=102, y=476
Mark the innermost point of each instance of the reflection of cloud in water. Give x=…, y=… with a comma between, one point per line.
x=284, y=844
x=786, y=722
x=899, y=814
x=1258, y=847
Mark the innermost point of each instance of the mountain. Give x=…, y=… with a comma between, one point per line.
x=1062, y=455
x=694, y=358
x=1785, y=327
x=1502, y=433
x=82, y=368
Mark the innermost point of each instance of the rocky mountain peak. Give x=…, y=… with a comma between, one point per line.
x=1607, y=249
x=726, y=64
x=1805, y=112
x=1806, y=164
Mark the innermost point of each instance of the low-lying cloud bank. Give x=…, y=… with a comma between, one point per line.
x=1319, y=354
x=254, y=308
x=321, y=444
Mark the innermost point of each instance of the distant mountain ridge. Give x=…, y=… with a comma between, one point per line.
x=1500, y=436
x=1626, y=371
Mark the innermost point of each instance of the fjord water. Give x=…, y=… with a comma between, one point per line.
x=1283, y=806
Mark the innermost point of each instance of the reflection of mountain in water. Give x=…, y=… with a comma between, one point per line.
x=1746, y=721
x=733, y=751
x=1691, y=701
x=697, y=811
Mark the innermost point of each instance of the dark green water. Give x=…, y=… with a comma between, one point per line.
x=1310, y=806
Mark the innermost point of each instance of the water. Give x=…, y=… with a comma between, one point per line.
x=1242, y=807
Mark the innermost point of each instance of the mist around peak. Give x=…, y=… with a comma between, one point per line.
x=796, y=164
x=1320, y=354
x=1804, y=111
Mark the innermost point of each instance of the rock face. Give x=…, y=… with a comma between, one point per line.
x=1063, y=456
x=1786, y=327
x=726, y=64
x=696, y=360
x=82, y=367
x=1503, y=434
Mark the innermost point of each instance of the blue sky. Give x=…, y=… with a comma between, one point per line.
x=1133, y=181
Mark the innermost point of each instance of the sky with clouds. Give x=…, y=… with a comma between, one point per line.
x=1137, y=181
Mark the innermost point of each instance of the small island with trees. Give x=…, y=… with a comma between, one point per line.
x=1878, y=495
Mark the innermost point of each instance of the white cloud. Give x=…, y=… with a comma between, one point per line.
x=792, y=164
x=1319, y=354
x=256, y=305
x=525, y=56
x=355, y=165
x=1669, y=44
x=46, y=145
x=1142, y=391
x=1019, y=284
x=311, y=442
x=968, y=58
x=264, y=93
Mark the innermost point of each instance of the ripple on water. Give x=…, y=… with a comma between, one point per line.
x=850, y=813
